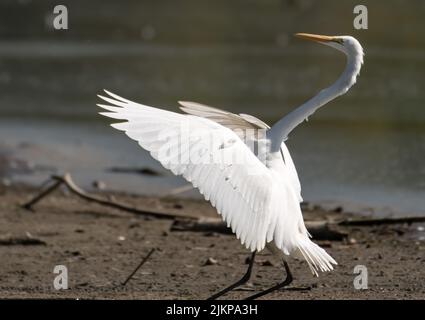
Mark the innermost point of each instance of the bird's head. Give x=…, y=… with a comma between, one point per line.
x=347, y=44
x=353, y=50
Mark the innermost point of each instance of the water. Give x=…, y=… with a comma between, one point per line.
x=364, y=149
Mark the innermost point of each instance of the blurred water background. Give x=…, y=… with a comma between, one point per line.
x=365, y=150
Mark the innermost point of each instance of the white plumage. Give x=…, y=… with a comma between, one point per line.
x=259, y=201
x=257, y=194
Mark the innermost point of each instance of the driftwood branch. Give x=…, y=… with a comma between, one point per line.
x=381, y=221
x=67, y=181
x=320, y=230
x=29, y=205
x=183, y=222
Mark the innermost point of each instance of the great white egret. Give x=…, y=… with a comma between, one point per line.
x=258, y=195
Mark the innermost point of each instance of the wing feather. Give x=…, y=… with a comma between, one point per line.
x=240, y=190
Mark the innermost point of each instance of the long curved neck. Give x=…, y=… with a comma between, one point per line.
x=279, y=131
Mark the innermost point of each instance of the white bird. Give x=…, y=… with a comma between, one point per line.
x=257, y=193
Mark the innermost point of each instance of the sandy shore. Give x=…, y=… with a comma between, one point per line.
x=101, y=246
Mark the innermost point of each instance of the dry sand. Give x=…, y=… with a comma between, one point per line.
x=101, y=246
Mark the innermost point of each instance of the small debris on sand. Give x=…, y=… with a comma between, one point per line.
x=210, y=261
x=26, y=240
x=99, y=185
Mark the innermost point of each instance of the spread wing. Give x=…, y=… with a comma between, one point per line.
x=210, y=156
x=217, y=162
x=240, y=124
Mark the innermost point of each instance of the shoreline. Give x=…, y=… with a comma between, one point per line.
x=330, y=177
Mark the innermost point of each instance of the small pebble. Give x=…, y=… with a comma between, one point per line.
x=210, y=261
x=352, y=241
x=121, y=238
x=100, y=185
x=267, y=263
x=83, y=284
x=211, y=234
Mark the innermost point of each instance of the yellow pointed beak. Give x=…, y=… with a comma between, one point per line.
x=315, y=37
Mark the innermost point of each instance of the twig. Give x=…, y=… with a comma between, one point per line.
x=29, y=205
x=70, y=184
x=371, y=222
x=138, y=267
x=320, y=230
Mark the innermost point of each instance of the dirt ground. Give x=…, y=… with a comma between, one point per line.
x=101, y=247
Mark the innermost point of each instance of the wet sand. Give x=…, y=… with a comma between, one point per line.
x=101, y=247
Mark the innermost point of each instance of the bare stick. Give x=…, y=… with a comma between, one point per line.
x=70, y=184
x=371, y=222
x=138, y=267
x=29, y=205
x=320, y=230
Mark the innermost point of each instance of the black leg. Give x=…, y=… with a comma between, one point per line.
x=285, y=282
x=243, y=280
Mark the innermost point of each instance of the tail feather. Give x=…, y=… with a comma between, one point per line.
x=317, y=258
